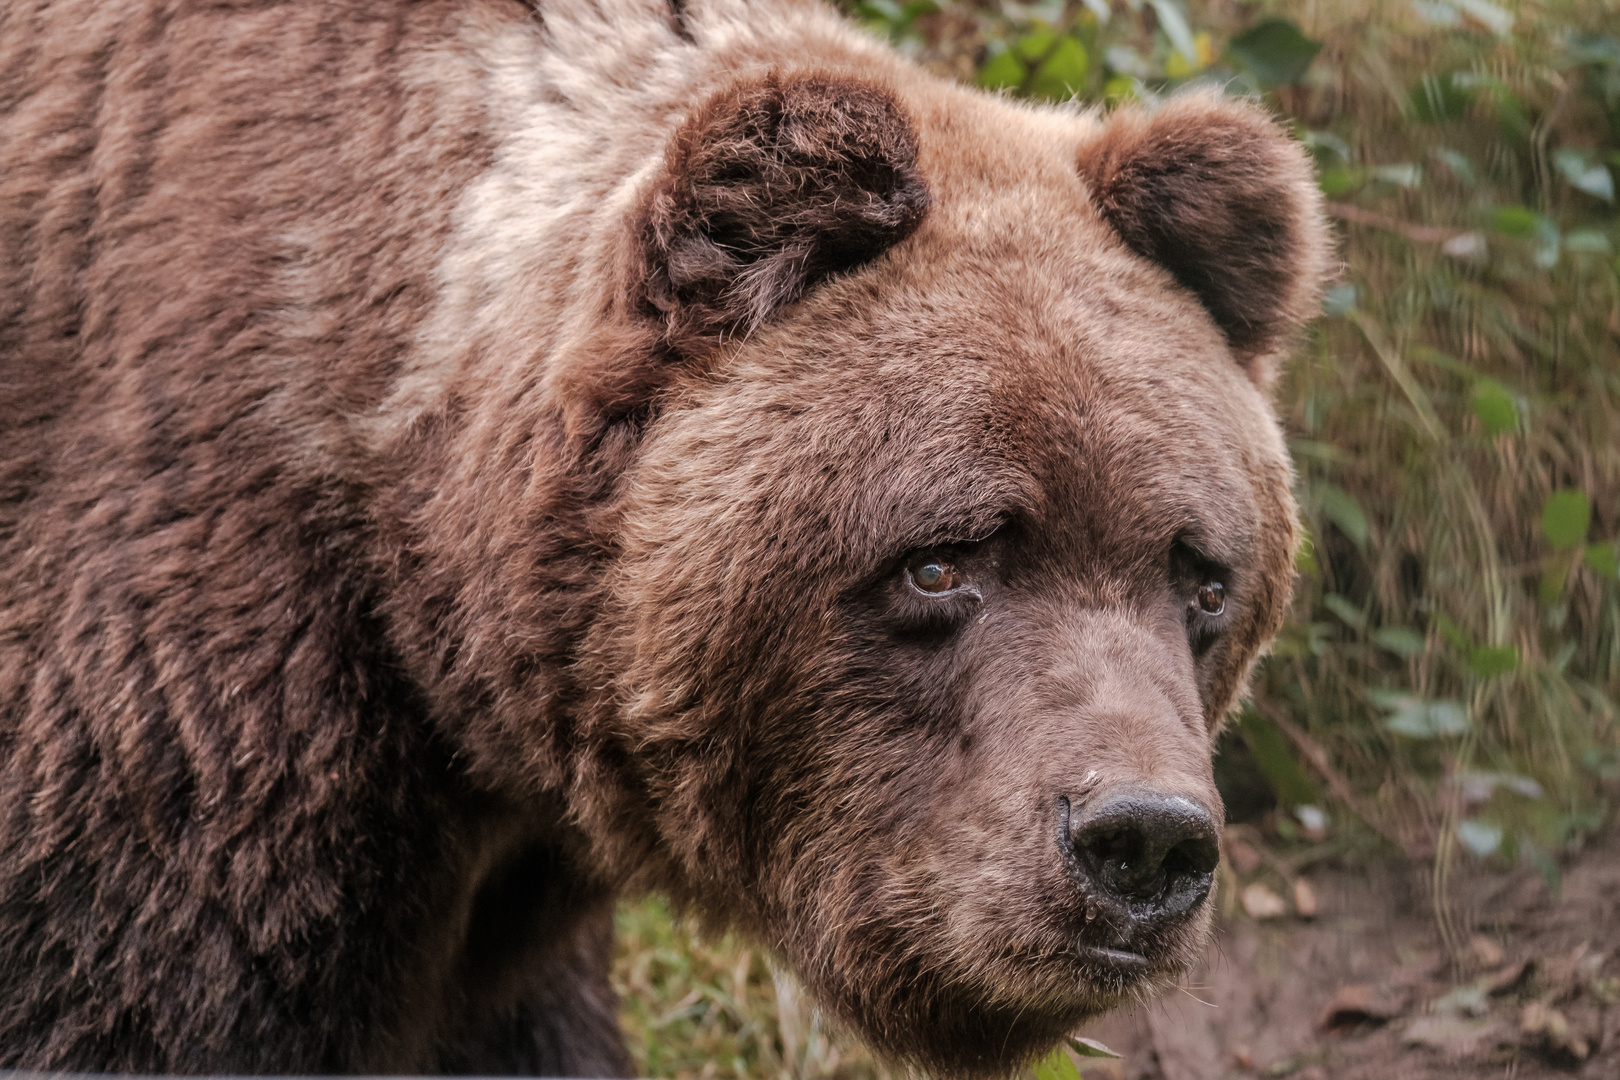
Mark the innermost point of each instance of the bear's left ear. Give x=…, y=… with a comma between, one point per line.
x=1215, y=192
x=773, y=185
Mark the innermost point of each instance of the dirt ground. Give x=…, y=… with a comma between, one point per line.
x=1367, y=990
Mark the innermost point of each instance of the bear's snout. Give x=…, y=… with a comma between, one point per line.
x=1145, y=859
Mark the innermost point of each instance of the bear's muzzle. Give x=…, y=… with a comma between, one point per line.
x=1145, y=861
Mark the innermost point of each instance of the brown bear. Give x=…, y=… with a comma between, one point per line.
x=464, y=460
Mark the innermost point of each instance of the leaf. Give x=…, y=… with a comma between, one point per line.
x=1448, y=717
x=1436, y=14
x=1494, y=406
x=1338, y=299
x=1400, y=640
x=1090, y=1048
x=1325, y=140
x=1177, y=66
x=1455, y=635
x=1173, y=21
x=1604, y=558
x=1565, y=518
x=1344, y=609
x=1438, y=98
x=1342, y=509
x=1584, y=174
x=1498, y=20
x=1274, y=51
x=1063, y=74
x=1057, y=1065
x=1036, y=44
x=1478, y=787
x=1460, y=166
x=1405, y=174
x=1121, y=88
x=1002, y=70
x=1588, y=242
x=1518, y=222
x=1481, y=838
x=1598, y=49
x=1124, y=60
x=1488, y=660
x=884, y=11
x=1410, y=718
x=1418, y=719
x=1511, y=115
x=1271, y=752
x=1548, y=243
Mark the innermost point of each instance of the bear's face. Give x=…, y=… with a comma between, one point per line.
x=934, y=584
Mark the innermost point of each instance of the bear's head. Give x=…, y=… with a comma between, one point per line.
x=951, y=540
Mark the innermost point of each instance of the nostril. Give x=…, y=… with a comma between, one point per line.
x=1121, y=848
x=1153, y=850
x=1196, y=856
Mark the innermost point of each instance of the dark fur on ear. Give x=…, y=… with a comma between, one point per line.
x=770, y=187
x=1215, y=192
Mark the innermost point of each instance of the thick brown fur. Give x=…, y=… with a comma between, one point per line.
x=460, y=462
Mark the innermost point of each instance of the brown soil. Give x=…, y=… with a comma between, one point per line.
x=1367, y=990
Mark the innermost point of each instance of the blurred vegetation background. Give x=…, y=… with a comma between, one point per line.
x=1447, y=686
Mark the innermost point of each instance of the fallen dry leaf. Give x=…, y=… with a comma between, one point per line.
x=1487, y=953
x=1452, y=1034
x=1304, y=899
x=1261, y=903
x=1359, y=1003
x=1470, y=999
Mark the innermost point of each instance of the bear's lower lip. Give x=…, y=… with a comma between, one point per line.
x=1115, y=958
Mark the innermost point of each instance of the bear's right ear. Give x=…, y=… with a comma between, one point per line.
x=770, y=187
x=1215, y=192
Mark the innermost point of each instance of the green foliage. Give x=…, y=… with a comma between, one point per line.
x=1276, y=760
x=1418, y=719
x=1495, y=406
x=1059, y=1065
x=699, y=1007
x=1438, y=98
x=1565, y=518
x=1274, y=51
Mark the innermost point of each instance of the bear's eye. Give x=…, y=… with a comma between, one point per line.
x=1212, y=597
x=934, y=575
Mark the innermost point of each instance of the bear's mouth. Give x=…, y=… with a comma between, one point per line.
x=1120, y=961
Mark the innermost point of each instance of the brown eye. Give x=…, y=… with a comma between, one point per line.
x=1212, y=597
x=935, y=576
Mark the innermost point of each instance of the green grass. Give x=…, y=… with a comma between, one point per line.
x=1448, y=683
x=697, y=1007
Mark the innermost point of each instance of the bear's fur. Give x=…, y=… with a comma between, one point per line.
x=461, y=461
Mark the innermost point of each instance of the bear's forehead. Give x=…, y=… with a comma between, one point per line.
x=1012, y=356
x=926, y=407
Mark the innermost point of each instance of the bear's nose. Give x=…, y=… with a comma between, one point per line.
x=1152, y=851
